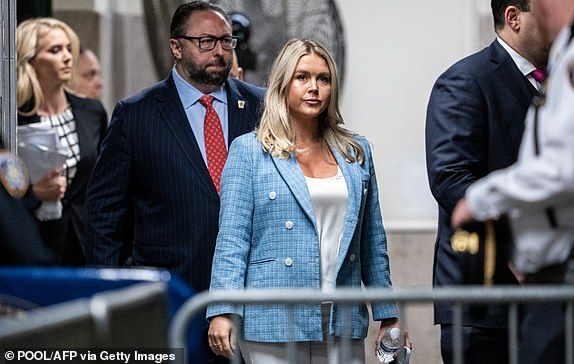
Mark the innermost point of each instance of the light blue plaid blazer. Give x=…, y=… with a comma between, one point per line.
x=267, y=240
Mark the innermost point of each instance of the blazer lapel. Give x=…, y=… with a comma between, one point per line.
x=237, y=112
x=353, y=174
x=521, y=91
x=174, y=117
x=293, y=176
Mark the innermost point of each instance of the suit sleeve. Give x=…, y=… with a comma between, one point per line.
x=456, y=132
x=536, y=181
x=235, y=225
x=108, y=197
x=375, y=269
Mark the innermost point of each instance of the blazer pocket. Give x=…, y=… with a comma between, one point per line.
x=260, y=273
x=262, y=261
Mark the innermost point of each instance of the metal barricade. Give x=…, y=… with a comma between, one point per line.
x=457, y=296
x=134, y=316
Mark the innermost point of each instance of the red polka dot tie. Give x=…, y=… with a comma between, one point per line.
x=214, y=141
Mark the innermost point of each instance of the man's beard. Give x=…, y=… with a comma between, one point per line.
x=202, y=76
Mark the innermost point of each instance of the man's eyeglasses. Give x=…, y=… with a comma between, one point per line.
x=208, y=43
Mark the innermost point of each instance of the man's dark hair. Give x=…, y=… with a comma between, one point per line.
x=184, y=11
x=499, y=6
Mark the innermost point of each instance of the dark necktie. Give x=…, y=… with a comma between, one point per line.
x=215, y=148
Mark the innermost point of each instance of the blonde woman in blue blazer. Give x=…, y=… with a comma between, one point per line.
x=299, y=209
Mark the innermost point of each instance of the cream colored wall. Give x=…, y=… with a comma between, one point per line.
x=410, y=255
x=396, y=50
x=119, y=39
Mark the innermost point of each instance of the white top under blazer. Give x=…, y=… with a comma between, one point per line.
x=329, y=197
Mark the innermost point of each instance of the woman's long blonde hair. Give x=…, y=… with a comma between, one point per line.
x=28, y=91
x=275, y=131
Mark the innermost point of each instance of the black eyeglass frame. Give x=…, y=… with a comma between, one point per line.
x=214, y=39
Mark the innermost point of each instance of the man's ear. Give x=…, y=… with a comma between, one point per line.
x=512, y=17
x=175, y=47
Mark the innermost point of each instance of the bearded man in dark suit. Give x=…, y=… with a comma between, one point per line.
x=152, y=186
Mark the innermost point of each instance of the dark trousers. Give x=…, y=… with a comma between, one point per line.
x=542, y=334
x=479, y=345
x=542, y=326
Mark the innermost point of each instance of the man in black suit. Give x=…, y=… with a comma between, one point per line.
x=152, y=185
x=475, y=120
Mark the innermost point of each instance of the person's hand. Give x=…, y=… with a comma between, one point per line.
x=51, y=187
x=517, y=274
x=388, y=324
x=222, y=336
x=461, y=215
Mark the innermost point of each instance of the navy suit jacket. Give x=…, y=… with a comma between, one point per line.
x=474, y=124
x=151, y=187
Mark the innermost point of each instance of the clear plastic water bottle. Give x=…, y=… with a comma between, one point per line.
x=393, y=339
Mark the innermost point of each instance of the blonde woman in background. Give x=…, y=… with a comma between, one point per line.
x=46, y=50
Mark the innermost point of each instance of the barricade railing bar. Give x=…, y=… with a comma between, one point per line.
x=458, y=296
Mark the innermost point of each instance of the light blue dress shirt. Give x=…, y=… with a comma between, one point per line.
x=189, y=96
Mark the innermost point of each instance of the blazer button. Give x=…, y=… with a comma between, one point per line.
x=272, y=195
x=352, y=257
x=288, y=262
x=289, y=225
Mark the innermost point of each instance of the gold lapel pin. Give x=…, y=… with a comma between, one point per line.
x=240, y=104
